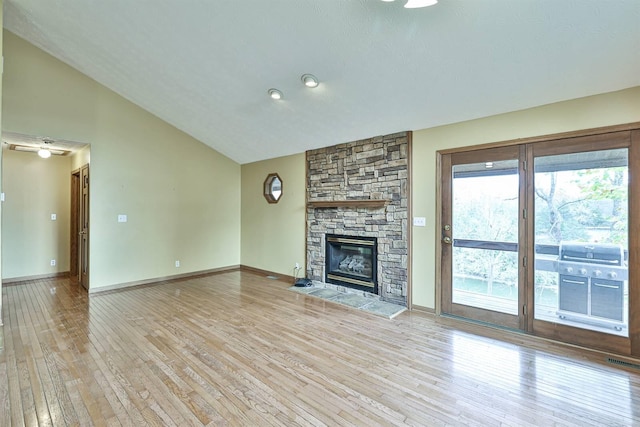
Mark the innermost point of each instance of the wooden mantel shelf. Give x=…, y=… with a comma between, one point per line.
x=369, y=203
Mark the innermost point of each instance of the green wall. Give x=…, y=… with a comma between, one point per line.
x=181, y=197
x=34, y=189
x=273, y=235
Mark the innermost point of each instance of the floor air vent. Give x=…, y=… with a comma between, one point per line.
x=623, y=363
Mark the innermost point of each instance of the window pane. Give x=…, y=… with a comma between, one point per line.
x=486, y=279
x=485, y=235
x=581, y=236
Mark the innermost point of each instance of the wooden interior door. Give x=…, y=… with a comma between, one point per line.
x=83, y=247
x=74, y=258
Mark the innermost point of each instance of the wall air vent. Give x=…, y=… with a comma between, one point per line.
x=623, y=363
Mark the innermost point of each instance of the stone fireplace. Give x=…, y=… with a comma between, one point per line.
x=359, y=190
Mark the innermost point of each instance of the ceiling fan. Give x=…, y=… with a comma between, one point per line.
x=414, y=4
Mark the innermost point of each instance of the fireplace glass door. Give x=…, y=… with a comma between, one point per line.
x=352, y=262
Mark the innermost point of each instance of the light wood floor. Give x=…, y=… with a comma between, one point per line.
x=239, y=349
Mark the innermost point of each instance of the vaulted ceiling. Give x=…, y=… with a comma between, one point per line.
x=206, y=66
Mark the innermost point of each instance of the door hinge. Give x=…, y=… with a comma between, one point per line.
x=524, y=261
x=524, y=214
x=524, y=165
x=524, y=309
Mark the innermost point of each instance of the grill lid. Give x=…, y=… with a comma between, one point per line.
x=596, y=253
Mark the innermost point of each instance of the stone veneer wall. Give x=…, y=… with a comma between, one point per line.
x=375, y=168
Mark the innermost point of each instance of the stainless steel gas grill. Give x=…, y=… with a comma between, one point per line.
x=591, y=283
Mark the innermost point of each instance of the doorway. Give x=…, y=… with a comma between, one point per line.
x=536, y=236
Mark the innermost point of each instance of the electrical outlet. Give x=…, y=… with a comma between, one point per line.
x=177, y=264
x=53, y=263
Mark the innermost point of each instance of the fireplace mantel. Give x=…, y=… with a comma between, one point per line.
x=368, y=203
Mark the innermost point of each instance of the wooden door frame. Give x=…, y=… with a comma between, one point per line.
x=513, y=152
x=586, y=337
x=75, y=246
x=85, y=214
x=74, y=226
x=634, y=244
x=632, y=346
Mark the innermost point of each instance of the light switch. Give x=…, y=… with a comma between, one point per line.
x=419, y=221
x=1, y=197
x=122, y=218
x=54, y=217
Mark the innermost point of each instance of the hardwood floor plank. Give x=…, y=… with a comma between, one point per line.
x=57, y=350
x=143, y=382
x=153, y=362
x=121, y=379
x=30, y=363
x=11, y=354
x=239, y=349
x=51, y=365
x=91, y=404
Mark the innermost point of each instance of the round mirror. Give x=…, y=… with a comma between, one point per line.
x=273, y=188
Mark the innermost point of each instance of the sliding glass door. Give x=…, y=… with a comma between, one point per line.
x=581, y=212
x=537, y=237
x=480, y=233
x=581, y=223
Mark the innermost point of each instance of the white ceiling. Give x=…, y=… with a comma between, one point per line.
x=205, y=66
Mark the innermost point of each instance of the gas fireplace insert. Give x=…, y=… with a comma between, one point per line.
x=351, y=261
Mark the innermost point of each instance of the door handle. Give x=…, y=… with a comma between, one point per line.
x=82, y=233
x=573, y=282
x=446, y=239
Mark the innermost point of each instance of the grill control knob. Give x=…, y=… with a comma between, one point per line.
x=583, y=271
x=597, y=273
x=613, y=275
x=569, y=270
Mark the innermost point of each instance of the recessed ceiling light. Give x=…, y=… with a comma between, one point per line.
x=310, y=80
x=413, y=4
x=275, y=94
x=488, y=165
